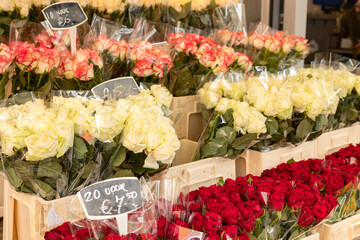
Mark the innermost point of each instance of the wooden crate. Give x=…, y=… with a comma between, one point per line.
x=1, y=195
x=254, y=162
x=28, y=216
x=199, y=173
x=186, y=114
x=346, y=229
x=331, y=142
x=314, y=236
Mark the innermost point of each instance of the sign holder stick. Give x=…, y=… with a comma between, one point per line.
x=122, y=222
x=73, y=39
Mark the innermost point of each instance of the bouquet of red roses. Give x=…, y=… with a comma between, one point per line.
x=88, y=229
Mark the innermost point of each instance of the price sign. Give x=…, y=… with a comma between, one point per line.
x=116, y=88
x=111, y=198
x=64, y=15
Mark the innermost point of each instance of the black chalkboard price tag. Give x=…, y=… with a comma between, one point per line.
x=64, y=15
x=111, y=198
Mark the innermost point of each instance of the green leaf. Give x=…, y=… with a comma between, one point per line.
x=243, y=142
x=13, y=178
x=220, y=182
x=250, y=180
x=228, y=116
x=294, y=234
x=49, y=169
x=80, y=148
x=46, y=88
x=118, y=156
x=216, y=147
x=291, y=161
x=44, y=189
x=89, y=167
x=226, y=132
x=252, y=237
x=319, y=123
x=123, y=173
x=203, y=210
x=272, y=125
x=304, y=129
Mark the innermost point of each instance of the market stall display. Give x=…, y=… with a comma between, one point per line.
x=213, y=119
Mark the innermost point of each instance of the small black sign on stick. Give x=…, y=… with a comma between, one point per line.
x=64, y=15
x=111, y=198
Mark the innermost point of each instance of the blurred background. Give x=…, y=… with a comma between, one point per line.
x=330, y=25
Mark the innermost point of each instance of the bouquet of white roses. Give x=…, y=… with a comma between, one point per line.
x=132, y=134
x=41, y=154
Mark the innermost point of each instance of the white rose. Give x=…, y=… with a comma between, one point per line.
x=208, y=98
x=256, y=97
x=270, y=104
x=164, y=153
x=108, y=123
x=256, y=122
x=65, y=132
x=222, y=106
x=133, y=138
x=241, y=116
x=12, y=139
x=41, y=145
x=162, y=95
x=7, y=5
x=236, y=91
x=316, y=107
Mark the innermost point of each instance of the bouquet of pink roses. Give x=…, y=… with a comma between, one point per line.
x=6, y=58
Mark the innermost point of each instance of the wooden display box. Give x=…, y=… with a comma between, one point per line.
x=187, y=117
x=204, y=172
x=333, y=141
x=1, y=195
x=346, y=229
x=254, y=162
x=28, y=217
x=314, y=236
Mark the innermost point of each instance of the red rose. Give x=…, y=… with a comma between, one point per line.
x=70, y=237
x=248, y=222
x=196, y=207
x=178, y=207
x=333, y=184
x=330, y=202
x=64, y=229
x=306, y=217
x=230, y=215
x=130, y=236
x=309, y=198
x=212, y=206
x=319, y=210
x=193, y=195
x=212, y=221
x=255, y=207
x=229, y=231
x=284, y=177
x=172, y=231
x=196, y=222
x=180, y=223
x=235, y=198
x=277, y=201
x=222, y=198
x=280, y=190
x=243, y=236
x=204, y=193
x=114, y=237
x=162, y=224
x=215, y=190
x=212, y=236
x=108, y=230
x=295, y=199
x=269, y=173
x=316, y=165
x=53, y=235
x=83, y=234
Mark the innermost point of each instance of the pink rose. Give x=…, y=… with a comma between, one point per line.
x=24, y=54
x=45, y=58
x=6, y=57
x=257, y=40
